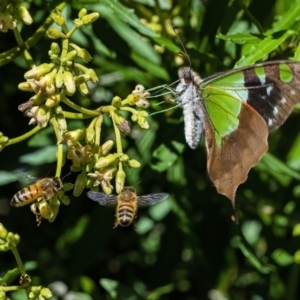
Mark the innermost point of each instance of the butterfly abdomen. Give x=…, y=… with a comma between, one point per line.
x=188, y=97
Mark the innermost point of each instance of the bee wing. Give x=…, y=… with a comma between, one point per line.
x=151, y=199
x=25, y=178
x=103, y=199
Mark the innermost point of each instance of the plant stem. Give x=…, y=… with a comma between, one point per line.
x=15, y=252
x=72, y=115
x=24, y=136
x=71, y=104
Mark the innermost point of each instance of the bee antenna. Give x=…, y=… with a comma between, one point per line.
x=66, y=176
x=186, y=54
x=136, y=183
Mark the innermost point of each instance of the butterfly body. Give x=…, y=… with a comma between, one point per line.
x=236, y=110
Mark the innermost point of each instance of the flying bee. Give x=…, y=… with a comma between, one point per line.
x=44, y=188
x=127, y=203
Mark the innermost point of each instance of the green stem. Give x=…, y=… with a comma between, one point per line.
x=58, y=134
x=15, y=252
x=11, y=288
x=72, y=115
x=60, y=157
x=85, y=111
x=40, y=33
x=70, y=33
x=130, y=109
x=98, y=124
x=118, y=137
x=24, y=136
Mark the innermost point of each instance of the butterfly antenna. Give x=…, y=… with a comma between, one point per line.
x=186, y=54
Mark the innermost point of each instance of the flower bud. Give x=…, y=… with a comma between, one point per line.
x=106, y=187
x=71, y=55
x=62, y=123
x=106, y=147
x=25, y=106
x=24, y=15
x=59, y=79
x=74, y=135
x=131, y=99
x=55, y=49
x=120, y=180
x=47, y=79
x=41, y=116
x=26, y=86
x=54, y=33
x=107, y=160
x=80, y=184
x=90, y=134
x=24, y=280
x=83, y=89
x=124, y=127
x=82, y=13
x=132, y=163
x=143, y=113
x=14, y=239
x=58, y=18
x=78, y=23
x=2, y=294
x=90, y=18
x=81, y=78
x=94, y=77
x=134, y=118
x=3, y=232
x=81, y=52
x=142, y=103
x=64, y=199
x=124, y=158
x=69, y=82
x=39, y=71
x=116, y=102
x=143, y=123
x=45, y=293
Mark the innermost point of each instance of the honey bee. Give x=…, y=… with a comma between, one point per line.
x=44, y=188
x=127, y=203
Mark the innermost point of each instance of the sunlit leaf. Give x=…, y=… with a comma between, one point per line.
x=41, y=156
x=282, y=257
x=7, y=177
x=240, y=38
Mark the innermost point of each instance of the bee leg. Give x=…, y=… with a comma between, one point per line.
x=116, y=223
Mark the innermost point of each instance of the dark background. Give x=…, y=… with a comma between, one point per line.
x=187, y=247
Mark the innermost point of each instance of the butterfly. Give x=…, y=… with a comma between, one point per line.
x=236, y=110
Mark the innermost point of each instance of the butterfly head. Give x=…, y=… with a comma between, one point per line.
x=188, y=76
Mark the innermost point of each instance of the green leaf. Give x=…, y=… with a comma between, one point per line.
x=41, y=156
x=260, y=50
x=251, y=257
x=272, y=165
x=166, y=158
x=240, y=38
x=144, y=225
x=160, y=210
x=158, y=292
x=287, y=20
x=7, y=177
x=251, y=231
x=293, y=157
x=282, y=257
x=119, y=291
x=41, y=138
x=114, y=11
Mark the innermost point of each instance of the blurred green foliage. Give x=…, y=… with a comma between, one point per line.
x=185, y=247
